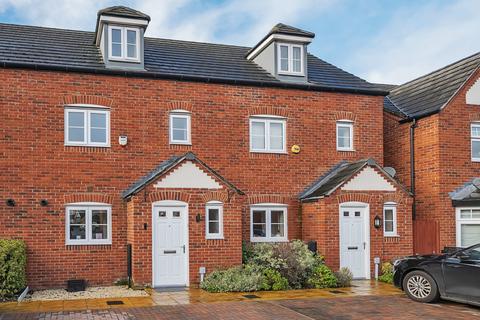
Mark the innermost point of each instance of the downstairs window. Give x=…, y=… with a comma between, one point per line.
x=88, y=223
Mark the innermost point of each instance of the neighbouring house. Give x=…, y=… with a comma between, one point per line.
x=183, y=150
x=435, y=120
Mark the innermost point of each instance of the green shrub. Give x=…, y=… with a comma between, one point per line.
x=387, y=273
x=322, y=277
x=13, y=261
x=344, y=277
x=292, y=260
x=233, y=280
x=273, y=280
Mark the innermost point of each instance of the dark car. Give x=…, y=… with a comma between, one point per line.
x=454, y=276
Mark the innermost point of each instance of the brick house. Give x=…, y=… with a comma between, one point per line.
x=183, y=150
x=435, y=120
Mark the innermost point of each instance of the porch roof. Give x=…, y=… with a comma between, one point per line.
x=468, y=194
x=168, y=164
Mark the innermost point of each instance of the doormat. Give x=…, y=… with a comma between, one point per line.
x=251, y=296
x=114, y=302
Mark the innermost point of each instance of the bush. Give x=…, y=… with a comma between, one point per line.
x=233, y=280
x=247, y=252
x=387, y=273
x=292, y=260
x=322, y=277
x=344, y=277
x=273, y=280
x=13, y=261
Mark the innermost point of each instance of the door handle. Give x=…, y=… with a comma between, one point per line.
x=183, y=248
x=352, y=248
x=169, y=251
x=453, y=266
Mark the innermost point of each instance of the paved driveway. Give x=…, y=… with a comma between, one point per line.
x=366, y=307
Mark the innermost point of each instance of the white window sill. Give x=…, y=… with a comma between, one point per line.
x=391, y=236
x=345, y=150
x=268, y=240
x=86, y=145
x=124, y=60
x=266, y=151
x=287, y=73
x=183, y=143
x=88, y=243
x=475, y=159
x=214, y=238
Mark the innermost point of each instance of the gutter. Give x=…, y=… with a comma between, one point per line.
x=159, y=75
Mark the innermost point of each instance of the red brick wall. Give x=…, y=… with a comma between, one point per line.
x=322, y=224
x=38, y=166
x=442, y=159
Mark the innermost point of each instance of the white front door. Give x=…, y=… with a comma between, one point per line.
x=170, y=263
x=353, y=240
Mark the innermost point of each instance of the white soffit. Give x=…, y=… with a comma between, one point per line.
x=368, y=180
x=473, y=94
x=188, y=175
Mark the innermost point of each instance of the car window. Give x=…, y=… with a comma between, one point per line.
x=473, y=253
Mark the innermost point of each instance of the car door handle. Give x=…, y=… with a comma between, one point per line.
x=352, y=248
x=453, y=265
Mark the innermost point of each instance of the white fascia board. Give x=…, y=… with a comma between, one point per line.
x=281, y=37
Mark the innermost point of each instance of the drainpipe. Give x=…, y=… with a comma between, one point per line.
x=412, y=167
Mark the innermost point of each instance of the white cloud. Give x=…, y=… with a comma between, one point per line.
x=237, y=21
x=416, y=43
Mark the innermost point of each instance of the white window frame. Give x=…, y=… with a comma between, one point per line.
x=344, y=124
x=290, y=59
x=87, y=111
x=472, y=139
x=183, y=114
x=214, y=205
x=390, y=206
x=461, y=221
x=268, y=208
x=124, y=45
x=88, y=207
x=267, y=120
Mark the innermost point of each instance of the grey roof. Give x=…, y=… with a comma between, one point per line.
x=166, y=166
x=469, y=193
x=286, y=29
x=430, y=93
x=125, y=12
x=337, y=176
x=74, y=51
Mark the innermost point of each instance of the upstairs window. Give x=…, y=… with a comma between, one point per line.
x=390, y=220
x=475, y=141
x=214, y=220
x=180, y=127
x=124, y=43
x=290, y=59
x=344, y=135
x=87, y=127
x=88, y=223
x=267, y=134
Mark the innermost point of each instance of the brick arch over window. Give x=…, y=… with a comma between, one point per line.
x=393, y=197
x=268, y=110
x=88, y=197
x=168, y=195
x=344, y=115
x=180, y=105
x=267, y=198
x=221, y=196
x=354, y=197
x=87, y=99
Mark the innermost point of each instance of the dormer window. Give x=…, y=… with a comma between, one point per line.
x=124, y=43
x=290, y=59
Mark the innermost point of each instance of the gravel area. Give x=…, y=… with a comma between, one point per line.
x=90, y=293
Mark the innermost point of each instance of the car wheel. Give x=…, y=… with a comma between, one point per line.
x=420, y=286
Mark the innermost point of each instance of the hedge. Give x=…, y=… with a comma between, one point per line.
x=13, y=261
